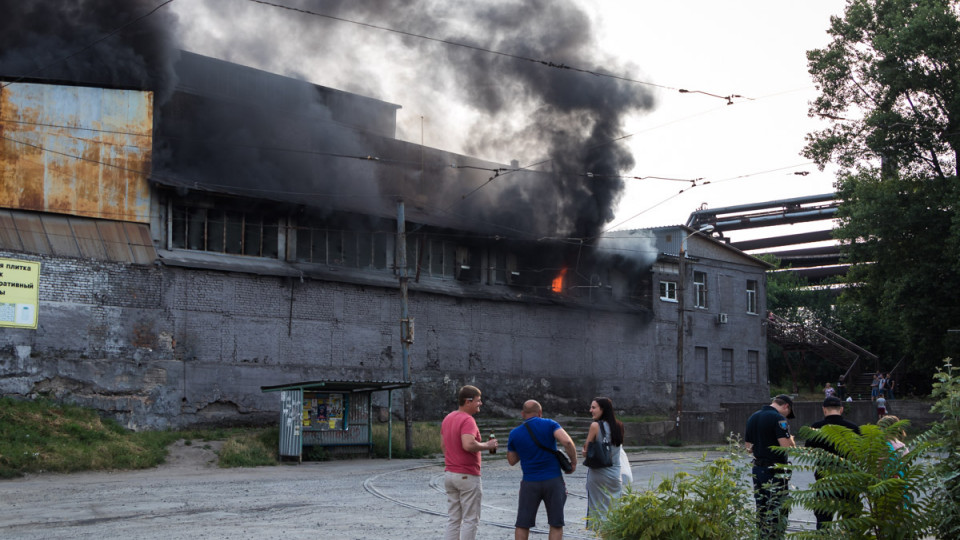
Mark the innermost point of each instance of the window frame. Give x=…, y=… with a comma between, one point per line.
x=665, y=289
x=752, y=307
x=700, y=287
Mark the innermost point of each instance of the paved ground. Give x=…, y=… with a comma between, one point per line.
x=358, y=499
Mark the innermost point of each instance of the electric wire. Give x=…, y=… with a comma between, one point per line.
x=557, y=65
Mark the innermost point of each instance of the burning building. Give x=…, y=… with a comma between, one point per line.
x=233, y=228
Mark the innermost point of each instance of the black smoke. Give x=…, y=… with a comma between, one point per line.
x=70, y=40
x=564, y=121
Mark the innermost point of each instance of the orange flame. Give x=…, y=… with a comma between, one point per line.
x=557, y=285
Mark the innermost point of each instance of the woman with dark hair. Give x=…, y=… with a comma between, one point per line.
x=603, y=483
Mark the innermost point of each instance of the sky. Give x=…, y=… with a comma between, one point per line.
x=744, y=152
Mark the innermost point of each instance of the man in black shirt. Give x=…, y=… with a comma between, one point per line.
x=832, y=411
x=767, y=428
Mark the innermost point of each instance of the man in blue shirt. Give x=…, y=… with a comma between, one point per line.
x=542, y=478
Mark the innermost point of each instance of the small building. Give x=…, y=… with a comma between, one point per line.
x=336, y=416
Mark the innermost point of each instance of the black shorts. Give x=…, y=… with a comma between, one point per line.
x=552, y=492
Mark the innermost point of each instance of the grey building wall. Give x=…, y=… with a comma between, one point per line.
x=158, y=346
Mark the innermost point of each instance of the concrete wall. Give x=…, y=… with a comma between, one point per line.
x=160, y=346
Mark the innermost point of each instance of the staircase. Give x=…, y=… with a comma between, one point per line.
x=859, y=364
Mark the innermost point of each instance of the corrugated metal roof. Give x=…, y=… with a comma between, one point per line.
x=48, y=234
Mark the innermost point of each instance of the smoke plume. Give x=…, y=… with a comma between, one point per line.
x=559, y=123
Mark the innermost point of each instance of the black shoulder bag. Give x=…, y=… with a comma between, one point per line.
x=562, y=457
x=598, y=451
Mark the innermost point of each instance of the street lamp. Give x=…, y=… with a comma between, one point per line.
x=681, y=278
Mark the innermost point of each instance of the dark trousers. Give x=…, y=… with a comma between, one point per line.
x=770, y=490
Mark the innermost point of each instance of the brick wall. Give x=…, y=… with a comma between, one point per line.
x=160, y=346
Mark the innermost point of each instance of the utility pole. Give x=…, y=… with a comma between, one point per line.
x=681, y=277
x=405, y=327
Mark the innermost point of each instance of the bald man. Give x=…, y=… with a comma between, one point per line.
x=542, y=478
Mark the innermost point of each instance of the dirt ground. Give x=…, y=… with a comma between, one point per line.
x=189, y=497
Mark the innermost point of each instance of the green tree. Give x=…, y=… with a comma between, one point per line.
x=889, y=80
x=889, y=83
x=790, y=296
x=900, y=233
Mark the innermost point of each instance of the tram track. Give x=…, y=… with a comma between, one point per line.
x=434, y=483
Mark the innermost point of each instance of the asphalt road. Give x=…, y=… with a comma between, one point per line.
x=190, y=498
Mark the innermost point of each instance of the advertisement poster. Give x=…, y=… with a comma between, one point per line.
x=323, y=411
x=19, y=293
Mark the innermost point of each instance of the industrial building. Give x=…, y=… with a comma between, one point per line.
x=242, y=232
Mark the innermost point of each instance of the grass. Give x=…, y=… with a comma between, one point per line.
x=44, y=435
x=426, y=440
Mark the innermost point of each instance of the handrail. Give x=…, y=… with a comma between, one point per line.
x=799, y=331
x=848, y=343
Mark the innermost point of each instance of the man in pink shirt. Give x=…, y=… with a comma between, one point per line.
x=461, y=443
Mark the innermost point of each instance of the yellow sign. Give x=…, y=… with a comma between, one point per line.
x=19, y=293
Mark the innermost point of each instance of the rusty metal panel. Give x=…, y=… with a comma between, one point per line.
x=60, y=235
x=114, y=241
x=9, y=238
x=88, y=238
x=32, y=235
x=141, y=245
x=79, y=151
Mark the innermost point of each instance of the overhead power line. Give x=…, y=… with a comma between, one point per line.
x=547, y=63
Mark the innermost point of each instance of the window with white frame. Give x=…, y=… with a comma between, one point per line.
x=668, y=291
x=700, y=286
x=752, y=296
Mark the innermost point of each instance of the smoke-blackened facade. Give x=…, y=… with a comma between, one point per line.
x=269, y=255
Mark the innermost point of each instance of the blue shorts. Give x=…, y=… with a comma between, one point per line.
x=552, y=492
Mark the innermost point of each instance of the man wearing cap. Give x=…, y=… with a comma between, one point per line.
x=832, y=411
x=768, y=428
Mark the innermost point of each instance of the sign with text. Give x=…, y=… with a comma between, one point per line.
x=19, y=293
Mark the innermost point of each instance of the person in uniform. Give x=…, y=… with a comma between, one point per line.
x=767, y=428
x=832, y=411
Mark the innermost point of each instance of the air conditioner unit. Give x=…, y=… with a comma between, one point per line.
x=721, y=318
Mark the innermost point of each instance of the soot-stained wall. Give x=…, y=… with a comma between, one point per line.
x=157, y=346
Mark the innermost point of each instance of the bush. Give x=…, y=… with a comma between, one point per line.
x=946, y=390
x=715, y=502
